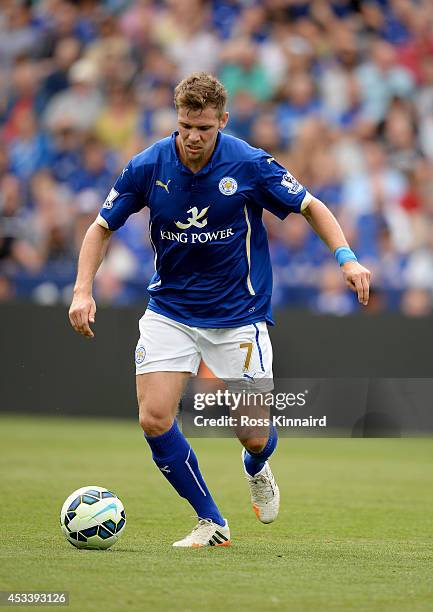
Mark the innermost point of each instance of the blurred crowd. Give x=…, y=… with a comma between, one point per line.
x=340, y=92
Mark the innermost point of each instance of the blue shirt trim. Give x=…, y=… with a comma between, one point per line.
x=258, y=346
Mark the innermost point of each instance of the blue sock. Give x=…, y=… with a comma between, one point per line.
x=178, y=462
x=254, y=462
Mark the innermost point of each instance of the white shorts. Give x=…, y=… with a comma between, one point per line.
x=239, y=353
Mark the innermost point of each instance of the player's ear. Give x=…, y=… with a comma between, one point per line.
x=223, y=120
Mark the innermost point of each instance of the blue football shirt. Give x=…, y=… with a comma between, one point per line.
x=212, y=263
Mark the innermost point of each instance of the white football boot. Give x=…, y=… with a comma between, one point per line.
x=206, y=533
x=265, y=494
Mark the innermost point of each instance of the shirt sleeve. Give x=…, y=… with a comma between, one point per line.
x=123, y=200
x=278, y=190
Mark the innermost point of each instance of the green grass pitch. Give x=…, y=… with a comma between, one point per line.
x=355, y=531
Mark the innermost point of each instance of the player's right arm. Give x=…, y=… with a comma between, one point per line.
x=83, y=308
x=128, y=196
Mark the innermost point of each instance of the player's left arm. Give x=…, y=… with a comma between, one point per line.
x=326, y=226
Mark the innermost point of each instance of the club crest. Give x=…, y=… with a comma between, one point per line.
x=228, y=185
x=140, y=354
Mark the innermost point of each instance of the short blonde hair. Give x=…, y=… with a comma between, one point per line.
x=200, y=90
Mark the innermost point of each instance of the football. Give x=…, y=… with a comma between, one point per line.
x=92, y=518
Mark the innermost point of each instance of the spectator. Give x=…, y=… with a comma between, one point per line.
x=16, y=249
x=53, y=219
x=400, y=135
x=244, y=111
x=182, y=31
x=333, y=297
x=118, y=121
x=29, y=151
x=96, y=170
x=79, y=106
x=381, y=79
x=242, y=71
x=111, y=54
x=7, y=290
x=264, y=133
x=17, y=33
x=372, y=194
x=21, y=97
x=66, y=54
x=419, y=270
x=299, y=102
x=65, y=154
x=417, y=303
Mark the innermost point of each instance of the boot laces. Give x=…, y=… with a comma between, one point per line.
x=262, y=489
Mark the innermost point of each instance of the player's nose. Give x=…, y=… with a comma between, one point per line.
x=194, y=136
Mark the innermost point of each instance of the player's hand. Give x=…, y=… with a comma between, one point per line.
x=357, y=279
x=82, y=313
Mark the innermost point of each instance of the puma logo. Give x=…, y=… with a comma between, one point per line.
x=163, y=185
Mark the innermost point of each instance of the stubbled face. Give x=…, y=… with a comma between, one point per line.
x=198, y=131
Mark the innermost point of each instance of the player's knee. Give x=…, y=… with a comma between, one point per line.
x=255, y=445
x=154, y=422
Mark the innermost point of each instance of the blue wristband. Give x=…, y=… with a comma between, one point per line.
x=344, y=254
